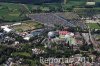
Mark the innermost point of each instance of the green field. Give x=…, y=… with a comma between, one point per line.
x=97, y=0
x=25, y=54
x=12, y=12
x=57, y=6
x=93, y=25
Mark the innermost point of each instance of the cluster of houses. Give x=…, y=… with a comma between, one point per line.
x=5, y=30
x=63, y=37
x=37, y=51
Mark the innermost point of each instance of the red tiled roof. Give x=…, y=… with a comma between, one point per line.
x=63, y=32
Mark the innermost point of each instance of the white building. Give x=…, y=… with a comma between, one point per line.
x=16, y=24
x=90, y=3
x=27, y=37
x=6, y=28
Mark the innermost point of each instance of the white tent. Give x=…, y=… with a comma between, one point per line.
x=27, y=37
x=7, y=30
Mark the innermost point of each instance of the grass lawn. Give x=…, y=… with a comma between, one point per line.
x=93, y=25
x=33, y=62
x=98, y=36
x=76, y=3
x=25, y=54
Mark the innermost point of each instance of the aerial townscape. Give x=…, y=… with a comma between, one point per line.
x=49, y=32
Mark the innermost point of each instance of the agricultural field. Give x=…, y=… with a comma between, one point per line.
x=12, y=12
x=76, y=3
x=97, y=0
x=93, y=25
x=57, y=6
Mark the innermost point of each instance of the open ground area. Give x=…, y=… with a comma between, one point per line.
x=27, y=25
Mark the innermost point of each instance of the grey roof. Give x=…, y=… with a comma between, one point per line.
x=1, y=33
x=29, y=35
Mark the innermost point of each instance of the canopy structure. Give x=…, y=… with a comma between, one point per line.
x=27, y=37
x=6, y=28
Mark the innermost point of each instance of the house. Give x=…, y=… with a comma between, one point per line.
x=34, y=33
x=28, y=36
x=63, y=32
